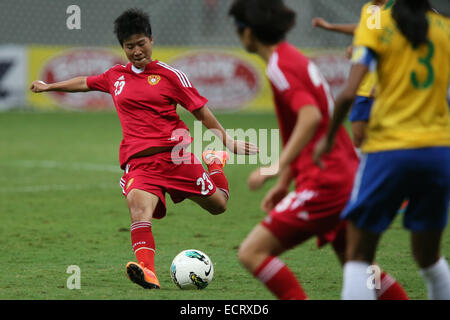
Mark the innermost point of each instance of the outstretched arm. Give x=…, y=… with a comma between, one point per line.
x=209, y=121
x=348, y=29
x=77, y=84
x=308, y=120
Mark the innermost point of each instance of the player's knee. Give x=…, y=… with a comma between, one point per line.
x=250, y=257
x=249, y=253
x=218, y=208
x=141, y=205
x=244, y=255
x=139, y=211
x=140, y=214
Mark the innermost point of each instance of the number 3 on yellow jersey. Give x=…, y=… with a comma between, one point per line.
x=426, y=62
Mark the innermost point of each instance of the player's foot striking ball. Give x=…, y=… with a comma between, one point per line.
x=142, y=276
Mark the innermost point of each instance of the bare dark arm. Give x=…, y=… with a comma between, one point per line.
x=209, y=121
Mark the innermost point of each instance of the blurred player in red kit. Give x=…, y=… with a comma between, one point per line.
x=152, y=153
x=304, y=106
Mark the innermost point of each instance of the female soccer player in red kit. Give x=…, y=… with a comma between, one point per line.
x=304, y=105
x=145, y=93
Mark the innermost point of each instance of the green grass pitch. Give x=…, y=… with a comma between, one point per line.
x=61, y=205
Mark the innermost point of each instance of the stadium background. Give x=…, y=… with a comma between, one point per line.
x=60, y=203
x=196, y=36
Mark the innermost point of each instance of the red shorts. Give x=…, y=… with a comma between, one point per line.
x=158, y=174
x=306, y=213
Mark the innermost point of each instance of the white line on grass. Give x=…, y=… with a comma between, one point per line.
x=51, y=164
x=57, y=187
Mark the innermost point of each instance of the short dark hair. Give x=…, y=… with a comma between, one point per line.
x=269, y=20
x=411, y=19
x=132, y=21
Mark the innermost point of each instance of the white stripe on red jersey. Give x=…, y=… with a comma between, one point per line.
x=181, y=75
x=275, y=74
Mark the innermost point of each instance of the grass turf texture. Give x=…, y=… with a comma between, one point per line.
x=61, y=205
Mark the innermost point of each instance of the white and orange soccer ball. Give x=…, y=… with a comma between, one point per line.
x=191, y=269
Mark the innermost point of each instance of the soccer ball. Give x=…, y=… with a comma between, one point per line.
x=191, y=269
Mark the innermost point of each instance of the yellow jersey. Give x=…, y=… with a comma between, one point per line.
x=411, y=109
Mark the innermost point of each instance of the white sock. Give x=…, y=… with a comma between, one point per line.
x=355, y=285
x=437, y=280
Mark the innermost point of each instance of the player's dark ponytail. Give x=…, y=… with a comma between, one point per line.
x=269, y=20
x=411, y=19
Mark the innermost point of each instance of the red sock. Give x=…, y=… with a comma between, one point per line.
x=277, y=277
x=143, y=243
x=390, y=289
x=218, y=177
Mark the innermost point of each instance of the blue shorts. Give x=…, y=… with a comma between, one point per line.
x=385, y=179
x=361, y=109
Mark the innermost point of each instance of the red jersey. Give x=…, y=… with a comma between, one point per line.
x=146, y=102
x=296, y=82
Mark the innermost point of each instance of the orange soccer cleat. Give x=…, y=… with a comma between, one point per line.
x=142, y=276
x=212, y=156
